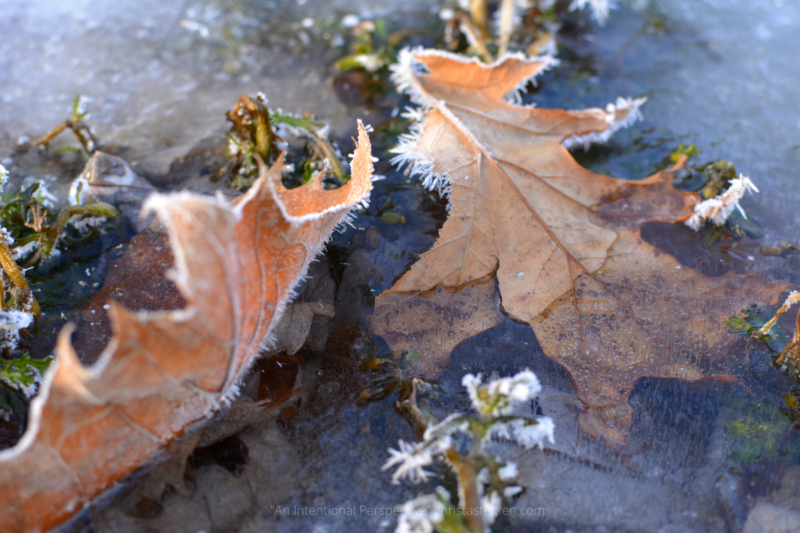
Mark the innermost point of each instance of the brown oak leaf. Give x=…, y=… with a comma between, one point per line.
x=434, y=322
x=562, y=241
x=236, y=266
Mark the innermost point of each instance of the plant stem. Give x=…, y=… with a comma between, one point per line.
x=479, y=12
x=409, y=410
x=474, y=37
x=88, y=141
x=468, y=488
x=48, y=137
x=791, y=349
x=82, y=133
x=506, y=25
x=16, y=276
x=328, y=151
x=99, y=209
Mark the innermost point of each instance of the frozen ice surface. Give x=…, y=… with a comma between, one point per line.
x=159, y=84
x=721, y=75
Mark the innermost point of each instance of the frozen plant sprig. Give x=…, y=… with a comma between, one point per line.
x=485, y=482
x=18, y=309
x=793, y=298
x=258, y=132
x=84, y=134
x=411, y=459
x=424, y=513
x=718, y=209
x=29, y=234
x=499, y=397
x=792, y=349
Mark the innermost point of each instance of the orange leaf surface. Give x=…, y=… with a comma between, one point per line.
x=434, y=322
x=562, y=241
x=236, y=266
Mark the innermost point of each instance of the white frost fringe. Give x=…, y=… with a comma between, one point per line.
x=422, y=514
x=404, y=74
x=3, y=177
x=408, y=68
x=621, y=114
x=514, y=16
x=718, y=209
x=793, y=298
x=11, y=322
x=507, y=18
x=15, y=320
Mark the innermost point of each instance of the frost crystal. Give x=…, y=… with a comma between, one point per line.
x=21, y=252
x=412, y=460
x=83, y=224
x=10, y=324
x=793, y=298
x=491, y=505
x=530, y=435
x=6, y=237
x=501, y=396
x=371, y=62
x=3, y=177
x=718, y=209
x=600, y=8
x=15, y=320
x=421, y=514
x=623, y=113
x=350, y=21
x=508, y=472
x=514, y=16
x=498, y=398
x=527, y=433
x=44, y=196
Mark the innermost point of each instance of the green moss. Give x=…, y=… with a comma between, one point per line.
x=21, y=374
x=719, y=175
x=750, y=320
x=295, y=122
x=689, y=151
x=761, y=431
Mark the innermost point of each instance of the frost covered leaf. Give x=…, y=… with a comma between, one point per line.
x=562, y=241
x=521, y=205
x=236, y=266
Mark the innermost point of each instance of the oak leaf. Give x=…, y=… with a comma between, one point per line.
x=562, y=241
x=434, y=322
x=236, y=266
